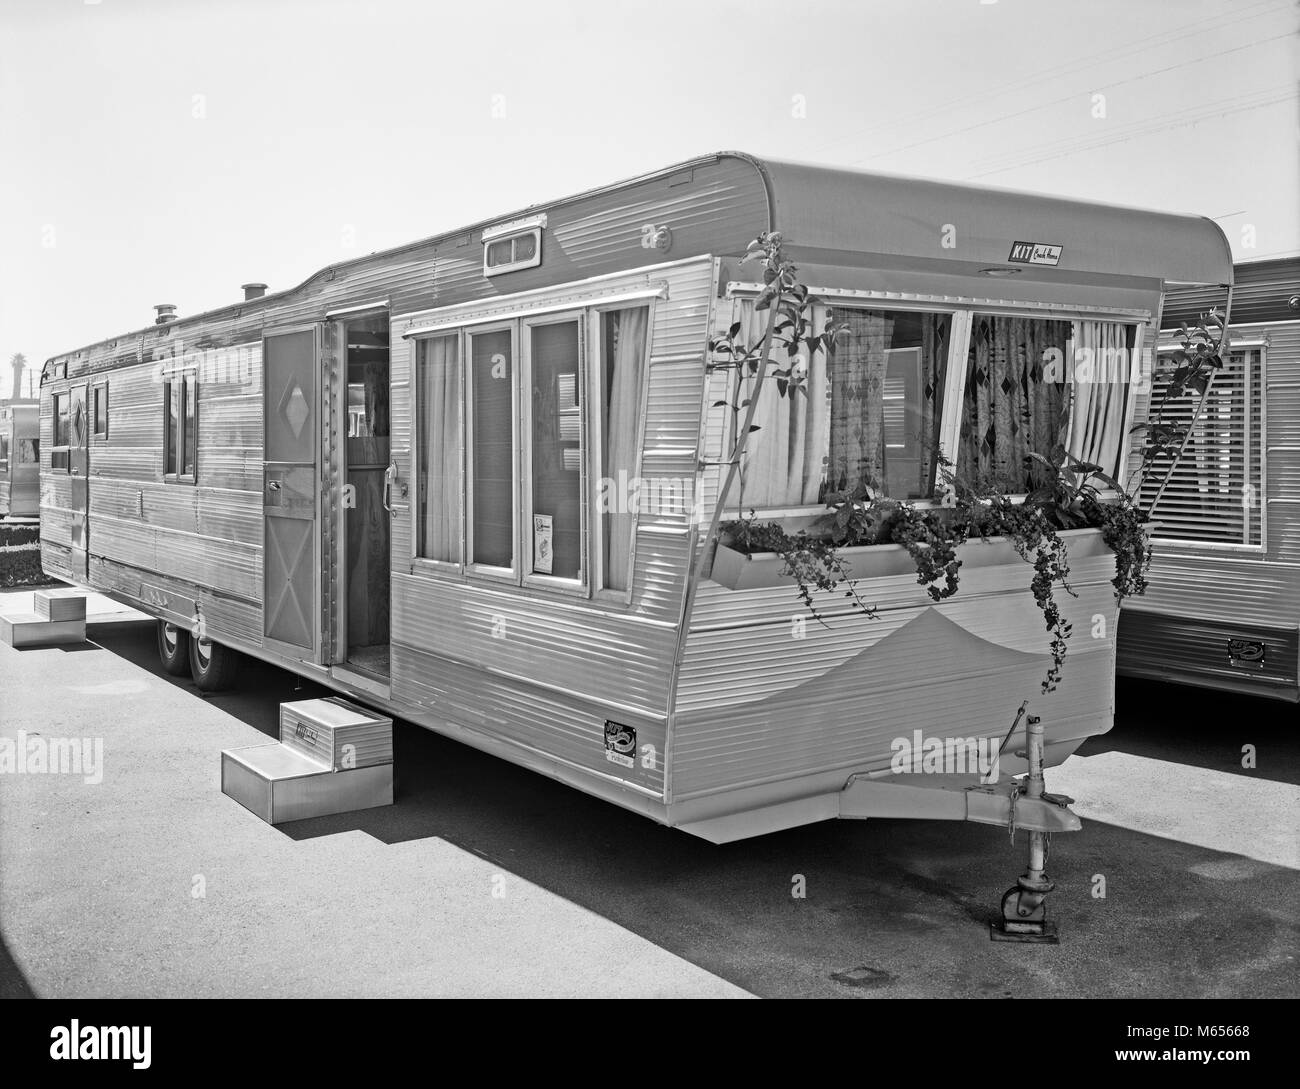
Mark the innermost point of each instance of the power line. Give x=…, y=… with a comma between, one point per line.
x=1068, y=98
x=1162, y=124
x=1054, y=74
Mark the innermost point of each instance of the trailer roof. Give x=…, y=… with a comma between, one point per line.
x=905, y=219
x=836, y=215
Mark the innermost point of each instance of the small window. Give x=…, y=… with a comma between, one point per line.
x=4, y=448
x=512, y=252
x=62, y=429
x=100, y=411
x=180, y=428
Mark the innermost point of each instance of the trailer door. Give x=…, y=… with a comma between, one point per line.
x=79, y=478
x=291, y=493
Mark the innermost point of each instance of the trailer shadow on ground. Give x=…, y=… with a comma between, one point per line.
x=888, y=908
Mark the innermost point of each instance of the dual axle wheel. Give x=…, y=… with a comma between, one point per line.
x=211, y=665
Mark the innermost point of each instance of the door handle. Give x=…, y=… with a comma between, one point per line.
x=273, y=485
x=390, y=476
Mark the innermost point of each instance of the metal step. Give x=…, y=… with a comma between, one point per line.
x=282, y=784
x=340, y=734
x=31, y=630
x=60, y=604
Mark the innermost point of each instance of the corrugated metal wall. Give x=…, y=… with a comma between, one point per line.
x=545, y=669
x=766, y=693
x=171, y=546
x=1201, y=597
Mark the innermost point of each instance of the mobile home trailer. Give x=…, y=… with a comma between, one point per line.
x=19, y=460
x=1223, y=608
x=468, y=481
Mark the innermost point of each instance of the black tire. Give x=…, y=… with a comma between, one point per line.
x=174, y=649
x=212, y=666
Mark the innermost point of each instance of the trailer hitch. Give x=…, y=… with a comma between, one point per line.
x=1024, y=906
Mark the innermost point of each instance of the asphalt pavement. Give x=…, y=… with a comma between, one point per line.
x=487, y=879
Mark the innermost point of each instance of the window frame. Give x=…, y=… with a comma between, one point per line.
x=587, y=314
x=1257, y=391
x=596, y=524
x=187, y=377
x=96, y=389
x=962, y=312
x=490, y=571
x=60, y=452
x=418, y=561
x=579, y=586
x=515, y=263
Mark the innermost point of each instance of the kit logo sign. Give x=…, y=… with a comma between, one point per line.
x=305, y=733
x=620, y=744
x=1246, y=653
x=1035, y=253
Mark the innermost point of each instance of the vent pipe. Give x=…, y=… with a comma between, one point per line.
x=253, y=291
x=166, y=313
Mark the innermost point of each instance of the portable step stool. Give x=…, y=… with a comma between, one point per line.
x=332, y=757
x=57, y=617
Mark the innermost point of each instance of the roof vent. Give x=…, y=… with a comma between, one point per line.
x=166, y=313
x=253, y=291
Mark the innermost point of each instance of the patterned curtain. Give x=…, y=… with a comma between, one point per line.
x=935, y=329
x=1009, y=410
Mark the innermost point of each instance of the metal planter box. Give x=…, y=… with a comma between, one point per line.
x=749, y=571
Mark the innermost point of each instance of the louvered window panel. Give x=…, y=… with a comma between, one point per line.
x=1216, y=490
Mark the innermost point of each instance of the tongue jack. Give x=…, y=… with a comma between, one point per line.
x=1024, y=907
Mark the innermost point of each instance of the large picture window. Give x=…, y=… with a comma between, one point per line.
x=578, y=392
x=872, y=415
x=868, y=415
x=1215, y=493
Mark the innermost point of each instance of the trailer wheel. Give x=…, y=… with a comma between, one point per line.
x=212, y=665
x=173, y=649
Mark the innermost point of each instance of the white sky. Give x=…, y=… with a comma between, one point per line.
x=326, y=129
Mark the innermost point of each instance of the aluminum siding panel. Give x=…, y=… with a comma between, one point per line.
x=744, y=660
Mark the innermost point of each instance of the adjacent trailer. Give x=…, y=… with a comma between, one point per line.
x=1223, y=609
x=469, y=482
x=19, y=460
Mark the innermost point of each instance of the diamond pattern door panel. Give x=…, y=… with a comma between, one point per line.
x=290, y=488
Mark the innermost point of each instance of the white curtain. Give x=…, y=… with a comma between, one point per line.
x=1099, y=374
x=440, y=392
x=622, y=409
x=784, y=460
